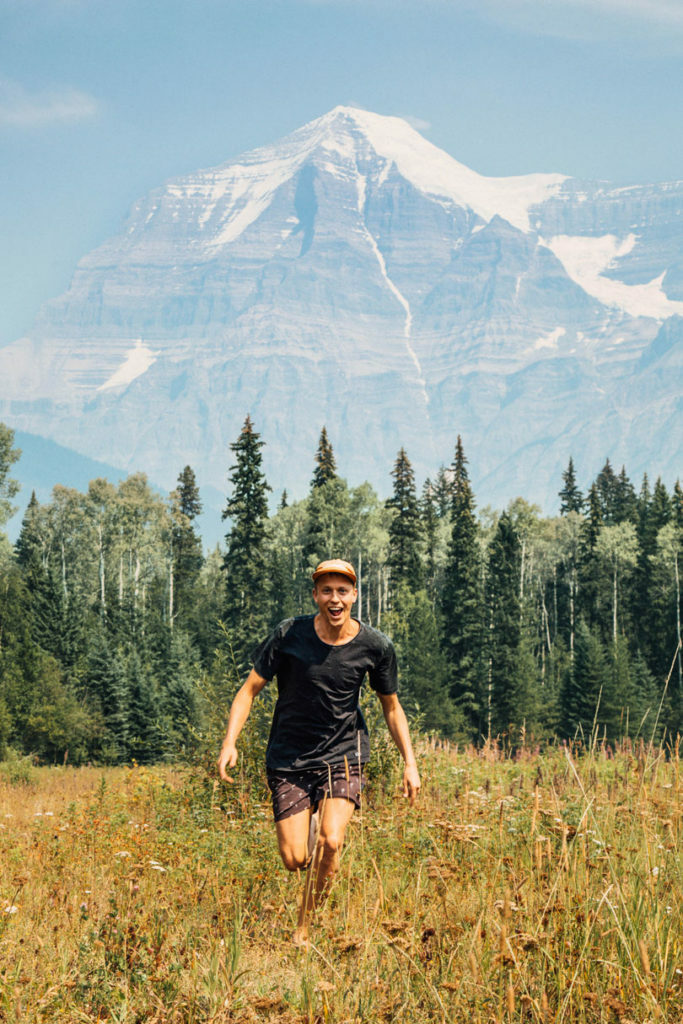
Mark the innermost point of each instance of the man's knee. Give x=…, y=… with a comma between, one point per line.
x=293, y=859
x=331, y=842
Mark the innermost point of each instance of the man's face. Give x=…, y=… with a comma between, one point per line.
x=334, y=595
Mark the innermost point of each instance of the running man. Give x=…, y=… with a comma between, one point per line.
x=319, y=743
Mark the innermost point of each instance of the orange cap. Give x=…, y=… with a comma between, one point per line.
x=336, y=565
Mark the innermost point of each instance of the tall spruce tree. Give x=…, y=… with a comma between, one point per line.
x=443, y=492
x=462, y=601
x=677, y=504
x=31, y=541
x=430, y=522
x=107, y=688
x=571, y=498
x=511, y=684
x=246, y=613
x=325, y=465
x=646, y=599
x=405, y=529
x=607, y=488
x=589, y=569
x=625, y=501
x=326, y=534
x=186, y=544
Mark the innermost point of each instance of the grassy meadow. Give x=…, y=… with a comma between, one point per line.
x=541, y=888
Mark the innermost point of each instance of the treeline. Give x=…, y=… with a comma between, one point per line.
x=118, y=632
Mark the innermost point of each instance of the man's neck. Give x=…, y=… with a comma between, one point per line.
x=335, y=635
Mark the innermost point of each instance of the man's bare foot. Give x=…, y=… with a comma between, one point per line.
x=301, y=937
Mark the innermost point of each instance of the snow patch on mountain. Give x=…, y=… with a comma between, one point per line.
x=586, y=258
x=433, y=171
x=549, y=340
x=138, y=360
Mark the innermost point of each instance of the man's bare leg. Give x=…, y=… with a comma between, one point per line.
x=335, y=814
x=292, y=836
x=292, y=839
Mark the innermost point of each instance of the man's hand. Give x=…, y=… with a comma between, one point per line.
x=227, y=759
x=411, y=782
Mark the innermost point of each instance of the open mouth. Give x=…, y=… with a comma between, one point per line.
x=336, y=613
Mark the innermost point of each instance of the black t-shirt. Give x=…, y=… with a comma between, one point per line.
x=317, y=721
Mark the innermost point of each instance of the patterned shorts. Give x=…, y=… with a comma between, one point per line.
x=295, y=791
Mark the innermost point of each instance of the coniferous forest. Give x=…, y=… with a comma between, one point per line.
x=117, y=629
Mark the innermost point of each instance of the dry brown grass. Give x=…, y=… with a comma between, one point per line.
x=541, y=889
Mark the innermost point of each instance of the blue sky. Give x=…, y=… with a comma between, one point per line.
x=102, y=100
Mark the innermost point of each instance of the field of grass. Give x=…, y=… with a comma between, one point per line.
x=544, y=888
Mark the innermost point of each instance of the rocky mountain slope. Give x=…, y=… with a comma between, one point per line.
x=355, y=275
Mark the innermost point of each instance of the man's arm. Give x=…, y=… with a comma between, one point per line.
x=397, y=724
x=239, y=712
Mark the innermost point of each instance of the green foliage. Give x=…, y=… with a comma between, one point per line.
x=110, y=611
x=15, y=769
x=9, y=488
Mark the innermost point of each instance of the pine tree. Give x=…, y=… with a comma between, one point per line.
x=607, y=489
x=589, y=570
x=405, y=529
x=145, y=732
x=430, y=521
x=625, y=501
x=179, y=699
x=586, y=686
x=646, y=598
x=413, y=626
x=443, y=492
x=106, y=686
x=246, y=613
x=186, y=545
x=660, y=507
x=677, y=504
x=511, y=685
x=326, y=468
x=571, y=498
x=30, y=541
x=329, y=531
x=462, y=601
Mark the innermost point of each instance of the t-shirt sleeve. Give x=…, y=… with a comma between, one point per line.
x=383, y=675
x=266, y=657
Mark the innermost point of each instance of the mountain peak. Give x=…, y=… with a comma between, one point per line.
x=343, y=130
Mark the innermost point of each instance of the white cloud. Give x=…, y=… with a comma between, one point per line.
x=418, y=123
x=20, y=108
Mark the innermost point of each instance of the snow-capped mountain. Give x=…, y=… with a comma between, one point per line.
x=355, y=275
